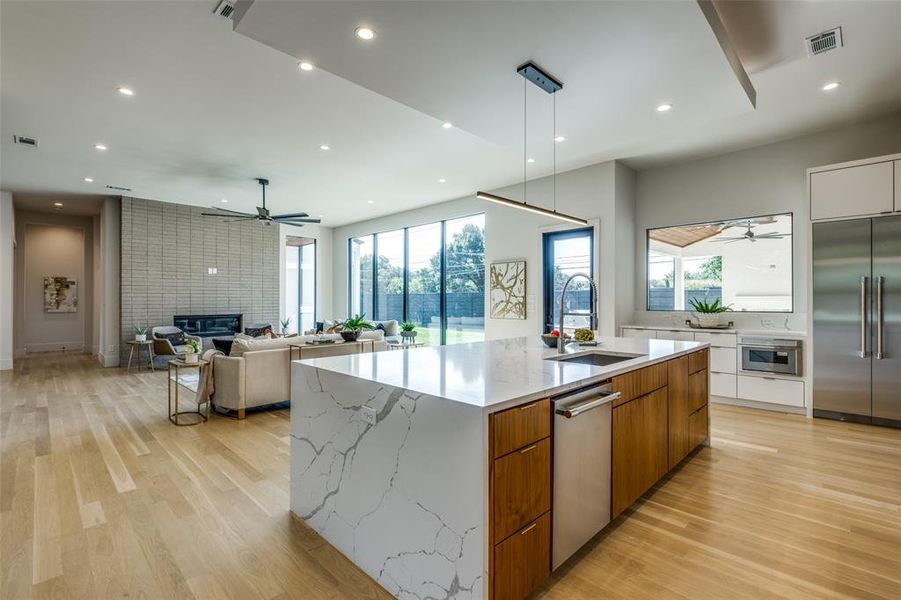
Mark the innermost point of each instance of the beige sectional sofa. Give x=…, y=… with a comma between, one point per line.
x=257, y=371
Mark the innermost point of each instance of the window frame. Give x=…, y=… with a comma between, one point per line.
x=442, y=271
x=647, y=254
x=547, y=269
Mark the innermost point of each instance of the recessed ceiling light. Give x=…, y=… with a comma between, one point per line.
x=560, y=138
x=224, y=200
x=364, y=33
x=305, y=66
x=531, y=160
x=126, y=91
x=442, y=180
x=325, y=147
x=447, y=124
x=58, y=204
x=831, y=86
x=664, y=107
x=369, y=201
x=88, y=180
x=100, y=146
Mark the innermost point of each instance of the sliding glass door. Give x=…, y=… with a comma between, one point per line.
x=432, y=275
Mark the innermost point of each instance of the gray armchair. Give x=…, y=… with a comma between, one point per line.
x=168, y=340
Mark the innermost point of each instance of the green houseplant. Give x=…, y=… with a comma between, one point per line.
x=352, y=327
x=285, y=323
x=408, y=330
x=192, y=350
x=710, y=314
x=140, y=333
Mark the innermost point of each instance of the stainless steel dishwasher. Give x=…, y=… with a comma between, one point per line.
x=582, y=467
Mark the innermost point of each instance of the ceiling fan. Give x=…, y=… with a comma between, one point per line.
x=297, y=219
x=750, y=236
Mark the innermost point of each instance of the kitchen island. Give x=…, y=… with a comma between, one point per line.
x=431, y=468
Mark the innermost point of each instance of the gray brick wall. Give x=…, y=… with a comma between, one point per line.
x=167, y=250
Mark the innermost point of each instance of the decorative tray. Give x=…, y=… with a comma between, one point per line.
x=316, y=342
x=694, y=325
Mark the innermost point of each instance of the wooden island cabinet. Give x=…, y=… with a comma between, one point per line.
x=659, y=418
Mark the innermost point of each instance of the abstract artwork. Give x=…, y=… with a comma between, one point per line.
x=60, y=295
x=507, y=290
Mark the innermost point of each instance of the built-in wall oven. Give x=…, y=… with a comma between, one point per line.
x=771, y=355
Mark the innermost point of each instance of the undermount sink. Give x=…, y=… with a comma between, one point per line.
x=598, y=359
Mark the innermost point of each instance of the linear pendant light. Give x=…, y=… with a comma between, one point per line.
x=532, y=72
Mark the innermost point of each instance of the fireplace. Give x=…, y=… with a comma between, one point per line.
x=209, y=325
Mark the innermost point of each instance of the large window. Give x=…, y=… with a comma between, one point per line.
x=744, y=263
x=565, y=254
x=361, y=275
x=432, y=275
x=300, y=283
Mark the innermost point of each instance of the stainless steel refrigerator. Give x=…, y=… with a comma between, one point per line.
x=857, y=320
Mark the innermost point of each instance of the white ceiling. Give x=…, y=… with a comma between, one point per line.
x=213, y=108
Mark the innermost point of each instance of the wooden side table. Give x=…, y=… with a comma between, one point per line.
x=148, y=344
x=178, y=365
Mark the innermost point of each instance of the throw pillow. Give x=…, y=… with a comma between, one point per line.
x=176, y=338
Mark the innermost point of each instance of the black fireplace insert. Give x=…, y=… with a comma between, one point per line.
x=209, y=325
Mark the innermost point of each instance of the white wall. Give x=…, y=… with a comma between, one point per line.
x=763, y=180
x=7, y=278
x=110, y=229
x=323, y=237
x=54, y=244
x=592, y=192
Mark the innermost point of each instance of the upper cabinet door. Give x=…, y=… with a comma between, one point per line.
x=898, y=185
x=852, y=191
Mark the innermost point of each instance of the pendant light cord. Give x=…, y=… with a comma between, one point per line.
x=554, y=143
x=525, y=128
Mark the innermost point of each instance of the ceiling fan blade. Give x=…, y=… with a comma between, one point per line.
x=291, y=216
x=236, y=219
x=231, y=216
x=226, y=210
x=297, y=221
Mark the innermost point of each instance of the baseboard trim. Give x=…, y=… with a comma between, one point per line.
x=54, y=347
x=6, y=364
x=108, y=360
x=783, y=408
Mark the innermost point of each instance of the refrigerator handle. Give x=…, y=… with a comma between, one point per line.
x=879, y=317
x=863, y=317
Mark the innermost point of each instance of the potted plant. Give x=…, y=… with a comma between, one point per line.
x=285, y=323
x=408, y=331
x=192, y=350
x=352, y=327
x=140, y=334
x=710, y=314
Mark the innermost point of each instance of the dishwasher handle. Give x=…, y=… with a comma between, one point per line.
x=573, y=411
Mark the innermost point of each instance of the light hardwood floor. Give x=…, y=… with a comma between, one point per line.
x=100, y=497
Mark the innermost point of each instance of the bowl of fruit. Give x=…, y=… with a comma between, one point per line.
x=551, y=339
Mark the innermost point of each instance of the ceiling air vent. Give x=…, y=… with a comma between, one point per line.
x=118, y=188
x=225, y=8
x=25, y=140
x=824, y=42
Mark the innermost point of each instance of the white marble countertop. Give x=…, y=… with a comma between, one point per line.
x=497, y=373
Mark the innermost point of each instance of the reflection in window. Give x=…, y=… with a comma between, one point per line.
x=300, y=283
x=745, y=263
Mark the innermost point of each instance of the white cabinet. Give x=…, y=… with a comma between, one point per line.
x=853, y=191
x=898, y=185
x=788, y=392
x=717, y=340
x=722, y=384
x=646, y=334
x=722, y=360
x=675, y=334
